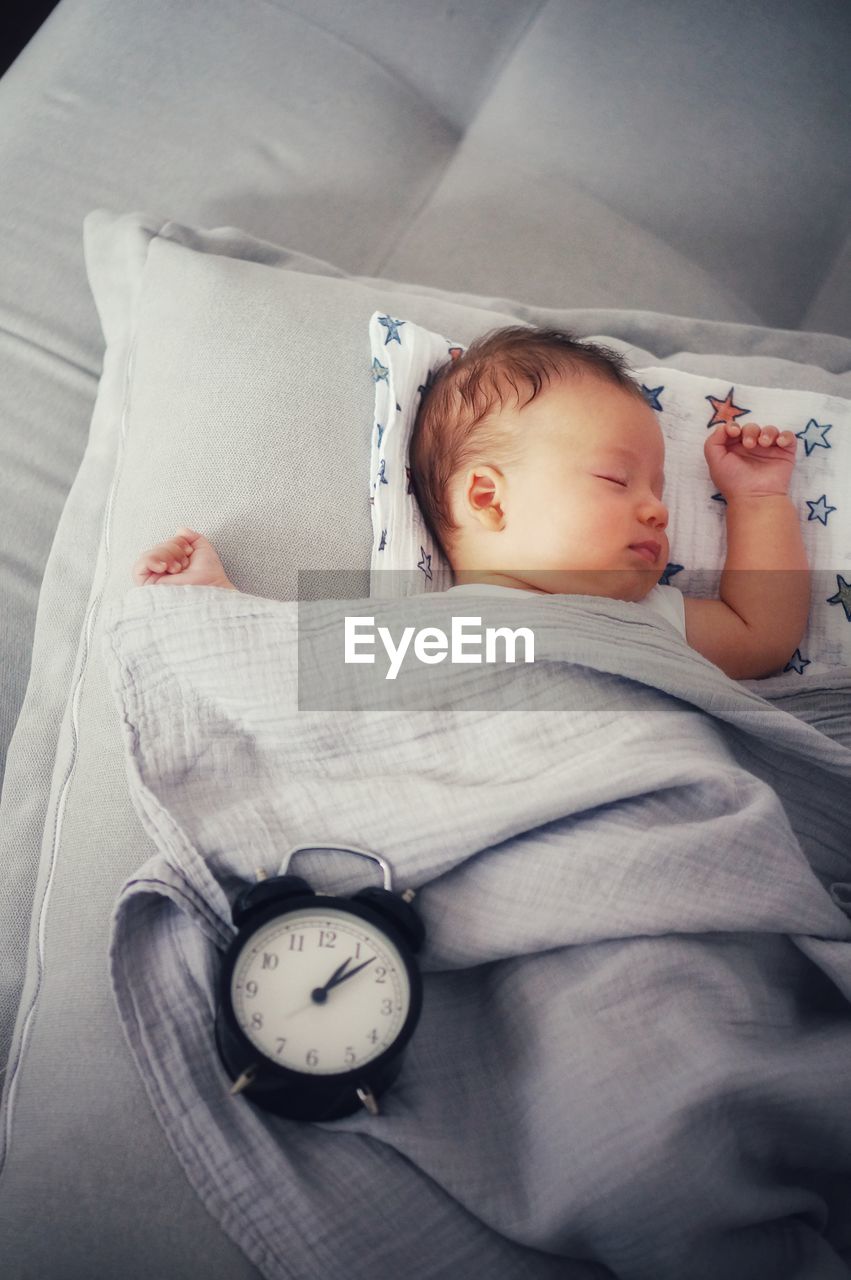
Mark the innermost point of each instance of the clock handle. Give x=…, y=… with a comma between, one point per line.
x=342, y=848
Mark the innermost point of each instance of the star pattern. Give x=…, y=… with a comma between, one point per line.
x=810, y=442
x=843, y=596
x=423, y=388
x=797, y=663
x=425, y=563
x=651, y=395
x=724, y=410
x=819, y=510
x=668, y=573
x=392, y=326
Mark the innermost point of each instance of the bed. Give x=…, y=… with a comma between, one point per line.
x=203, y=209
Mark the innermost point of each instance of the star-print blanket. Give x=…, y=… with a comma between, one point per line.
x=404, y=358
x=635, y=879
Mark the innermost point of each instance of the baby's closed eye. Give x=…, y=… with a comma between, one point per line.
x=613, y=480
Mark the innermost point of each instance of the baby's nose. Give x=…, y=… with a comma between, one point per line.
x=658, y=511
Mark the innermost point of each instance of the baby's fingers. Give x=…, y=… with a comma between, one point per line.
x=144, y=572
x=752, y=434
x=166, y=557
x=173, y=555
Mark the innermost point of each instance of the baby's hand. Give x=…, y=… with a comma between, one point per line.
x=186, y=560
x=750, y=460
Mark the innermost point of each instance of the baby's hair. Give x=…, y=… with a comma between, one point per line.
x=451, y=430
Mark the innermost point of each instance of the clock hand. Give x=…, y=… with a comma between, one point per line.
x=335, y=981
x=320, y=994
x=335, y=976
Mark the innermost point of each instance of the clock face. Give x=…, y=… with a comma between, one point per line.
x=320, y=991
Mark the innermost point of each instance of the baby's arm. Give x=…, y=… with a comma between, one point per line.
x=754, y=629
x=186, y=560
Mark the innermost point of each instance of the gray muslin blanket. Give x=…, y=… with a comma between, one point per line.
x=634, y=1057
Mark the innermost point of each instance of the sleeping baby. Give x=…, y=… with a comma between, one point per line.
x=538, y=466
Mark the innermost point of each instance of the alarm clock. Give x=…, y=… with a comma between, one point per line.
x=318, y=995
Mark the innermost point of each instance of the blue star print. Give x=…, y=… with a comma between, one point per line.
x=382, y=479
x=809, y=442
x=392, y=326
x=651, y=395
x=383, y=543
x=719, y=497
x=843, y=596
x=379, y=370
x=380, y=434
x=797, y=663
x=425, y=563
x=423, y=388
x=815, y=513
x=670, y=570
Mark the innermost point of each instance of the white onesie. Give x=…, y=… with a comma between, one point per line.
x=667, y=602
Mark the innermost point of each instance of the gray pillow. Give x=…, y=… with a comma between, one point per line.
x=237, y=398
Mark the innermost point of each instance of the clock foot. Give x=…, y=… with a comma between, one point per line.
x=367, y=1097
x=244, y=1080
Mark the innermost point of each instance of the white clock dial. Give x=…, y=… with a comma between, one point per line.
x=320, y=991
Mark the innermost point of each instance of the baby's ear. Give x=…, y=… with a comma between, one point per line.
x=482, y=494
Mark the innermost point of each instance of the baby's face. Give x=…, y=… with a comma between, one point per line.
x=588, y=487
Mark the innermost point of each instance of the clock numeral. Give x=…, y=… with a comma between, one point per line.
x=386, y=1006
x=281, y=1042
x=373, y=1035
x=270, y=960
x=312, y=1058
x=251, y=988
x=380, y=974
x=351, y=1057
x=257, y=1021
x=296, y=942
x=327, y=938
x=357, y=951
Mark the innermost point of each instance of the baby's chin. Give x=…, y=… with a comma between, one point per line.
x=618, y=584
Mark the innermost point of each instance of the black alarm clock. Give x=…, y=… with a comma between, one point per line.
x=318, y=995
